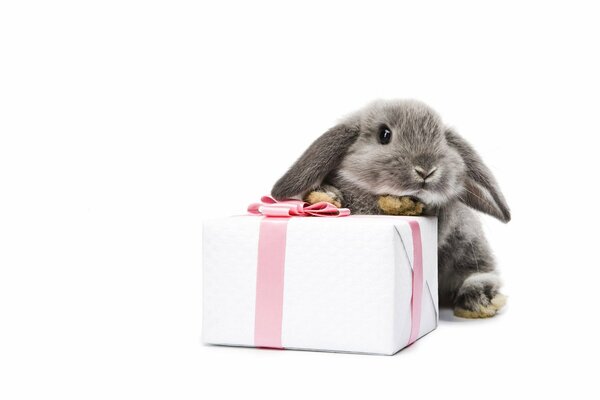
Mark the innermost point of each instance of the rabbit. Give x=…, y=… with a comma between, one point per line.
x=397, y=157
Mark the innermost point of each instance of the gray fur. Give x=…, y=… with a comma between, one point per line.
x=324, y=155
x=350, y=158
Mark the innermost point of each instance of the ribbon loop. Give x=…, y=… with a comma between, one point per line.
x=269, y=207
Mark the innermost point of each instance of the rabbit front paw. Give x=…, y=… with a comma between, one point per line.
x=479, y=297
x=393, y=205
x=324, y=194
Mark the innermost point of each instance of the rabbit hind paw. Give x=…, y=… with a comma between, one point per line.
x=479, y=297
x=482, y=311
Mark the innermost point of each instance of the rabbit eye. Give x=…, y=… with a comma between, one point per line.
x=385, y=134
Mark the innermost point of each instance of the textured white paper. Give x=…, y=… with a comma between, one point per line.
x=347, y=282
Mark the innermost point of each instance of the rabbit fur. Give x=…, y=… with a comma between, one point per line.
x=397, y=157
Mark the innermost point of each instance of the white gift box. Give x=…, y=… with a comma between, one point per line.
x=345, y=284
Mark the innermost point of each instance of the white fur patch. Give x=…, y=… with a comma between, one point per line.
x=480, y=278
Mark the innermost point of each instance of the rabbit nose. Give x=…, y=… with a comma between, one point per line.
x=423, y=173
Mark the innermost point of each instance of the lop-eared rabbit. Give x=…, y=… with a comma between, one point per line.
x=397, y=157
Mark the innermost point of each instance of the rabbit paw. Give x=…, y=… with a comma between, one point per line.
x=393, y=205
x=318, y=196
x=479, y=297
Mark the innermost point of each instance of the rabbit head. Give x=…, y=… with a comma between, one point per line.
x=398, y=148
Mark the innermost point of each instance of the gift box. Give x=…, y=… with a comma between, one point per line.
x=363, y=284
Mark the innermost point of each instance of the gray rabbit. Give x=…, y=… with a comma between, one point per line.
x=397, y=157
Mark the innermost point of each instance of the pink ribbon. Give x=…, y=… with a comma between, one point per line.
x=268, y=314
x=417, y=282
x=271, y=261
x=271, y=265
x=269, y=207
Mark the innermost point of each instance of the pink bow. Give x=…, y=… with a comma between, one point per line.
x=269, y=207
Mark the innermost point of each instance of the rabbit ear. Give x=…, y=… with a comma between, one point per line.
x=481, y=190
x=323, y=155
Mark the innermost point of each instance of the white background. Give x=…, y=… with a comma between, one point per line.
x=123, y=124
